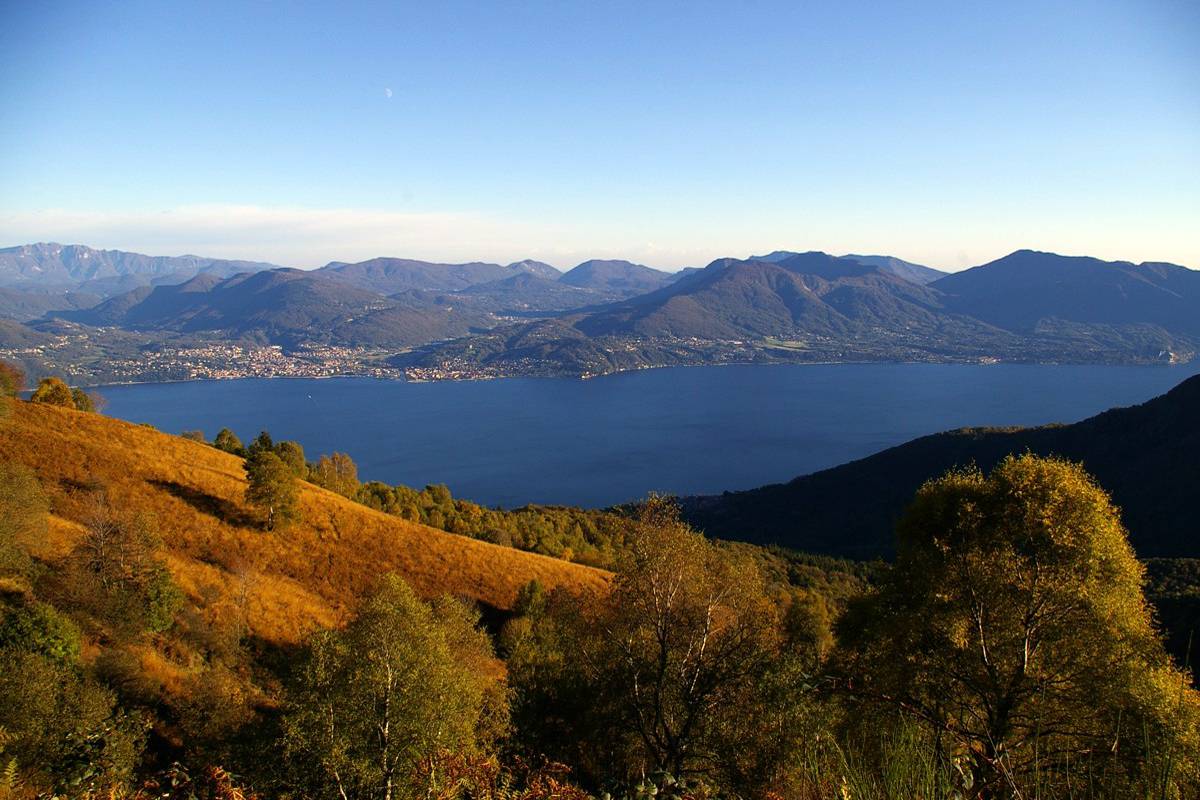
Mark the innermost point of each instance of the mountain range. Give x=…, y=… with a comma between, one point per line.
x=51, y=267
x=1144, y=455
x=482, y=319
x=283, y=306
x=392, y=275
x=785, y=306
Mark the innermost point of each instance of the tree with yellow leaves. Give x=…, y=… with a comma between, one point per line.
x=1013, y=624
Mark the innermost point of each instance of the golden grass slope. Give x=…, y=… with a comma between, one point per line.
x=289, y=581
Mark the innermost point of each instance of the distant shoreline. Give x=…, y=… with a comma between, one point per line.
x=581, y=378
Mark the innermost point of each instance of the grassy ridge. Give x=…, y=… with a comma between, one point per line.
x=312, y=574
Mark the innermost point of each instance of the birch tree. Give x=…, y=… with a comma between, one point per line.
x=1013, y=625
x=402, y=682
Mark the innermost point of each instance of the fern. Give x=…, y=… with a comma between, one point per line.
x=10, y=781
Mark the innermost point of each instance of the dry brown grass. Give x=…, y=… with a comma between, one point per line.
x=288, y=582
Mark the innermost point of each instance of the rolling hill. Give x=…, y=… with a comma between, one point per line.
x=617, y=277
x=528, y=293
x=393, y=275
x=311, y=574
x=15, y=335
x=26, y=306
x=1145, y=456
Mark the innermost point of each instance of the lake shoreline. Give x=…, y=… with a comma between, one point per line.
x=635, y=370
x=595, y=443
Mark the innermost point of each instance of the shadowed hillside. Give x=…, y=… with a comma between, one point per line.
x=1145, y=456
x=1033, y=291
x=310, y=574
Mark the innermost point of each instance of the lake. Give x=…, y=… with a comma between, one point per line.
x=597, y=442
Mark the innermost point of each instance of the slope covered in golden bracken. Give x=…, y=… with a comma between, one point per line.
x=290, y=581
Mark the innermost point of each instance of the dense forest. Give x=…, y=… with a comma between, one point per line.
x=1009, y=650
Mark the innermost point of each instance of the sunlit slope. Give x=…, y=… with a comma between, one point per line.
x=311, y=573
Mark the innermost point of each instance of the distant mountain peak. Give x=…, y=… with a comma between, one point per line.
x=539, y=268
x=599, y=273
x=776, y=256
x=917, y=273
x=1029, y=288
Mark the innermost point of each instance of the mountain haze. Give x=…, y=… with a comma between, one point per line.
x=49, y=265
x=25, y=306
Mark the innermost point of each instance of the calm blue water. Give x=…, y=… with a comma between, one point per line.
x=606, y=440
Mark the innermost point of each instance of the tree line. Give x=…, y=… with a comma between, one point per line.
x=587, y=536
x=51, y=391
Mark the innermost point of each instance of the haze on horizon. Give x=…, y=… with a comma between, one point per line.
x=944, y=134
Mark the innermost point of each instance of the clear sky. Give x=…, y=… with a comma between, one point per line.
x=668, y=133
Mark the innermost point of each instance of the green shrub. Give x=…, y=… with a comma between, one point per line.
x=39, y=628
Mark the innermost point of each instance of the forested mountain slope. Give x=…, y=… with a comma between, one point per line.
x=1030, y=291
x=392, y=275
x=1146, y=456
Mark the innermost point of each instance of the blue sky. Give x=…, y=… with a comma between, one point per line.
x=668, y=133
